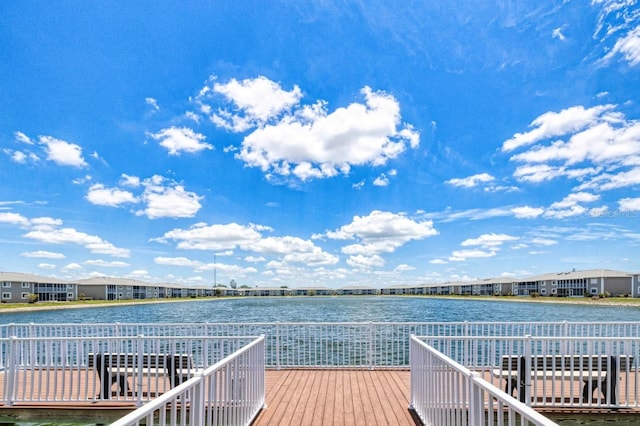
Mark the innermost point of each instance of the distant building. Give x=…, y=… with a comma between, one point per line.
x=18, y=288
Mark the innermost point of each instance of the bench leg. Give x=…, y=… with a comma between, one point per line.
x=591, y=385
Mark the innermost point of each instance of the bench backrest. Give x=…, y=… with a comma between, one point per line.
x=568, y=362
x=130, y=360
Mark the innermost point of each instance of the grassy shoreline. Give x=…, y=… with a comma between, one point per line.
x=46, y=306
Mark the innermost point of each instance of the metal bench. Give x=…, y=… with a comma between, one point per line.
x=596, y=371
x=117, y=367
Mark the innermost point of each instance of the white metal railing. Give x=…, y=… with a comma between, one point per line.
x=560, y=372
x=231, y=392
x=318, y=345
x=89, y=369
x=445, y=393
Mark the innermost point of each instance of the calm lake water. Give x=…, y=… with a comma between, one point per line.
x=331, y=309
x=340, y=309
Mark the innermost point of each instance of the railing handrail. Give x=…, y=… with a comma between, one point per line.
x=172, y=395
x=525, y=411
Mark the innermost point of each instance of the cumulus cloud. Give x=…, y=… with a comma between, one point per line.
x=180, y=139
x=255, y=101
x=471, y=181
x=571, y=205
x=629, y=204
x=381, y=232
x=527, y=212
x=289, y=140
x=50, y=231
x=165, y=198
x=61, y=152
x=112, y=197
x=249, y=239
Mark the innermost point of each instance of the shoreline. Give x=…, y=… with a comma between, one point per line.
x=613, y=302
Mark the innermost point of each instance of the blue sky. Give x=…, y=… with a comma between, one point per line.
x=319, y=142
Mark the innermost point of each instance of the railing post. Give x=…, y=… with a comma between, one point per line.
x=11, y=371
x=528, y=349
x=139, y=362
x=370, y=348
x=277, y=346
x=476, y=408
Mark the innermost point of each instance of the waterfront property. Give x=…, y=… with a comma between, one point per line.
x=19, y=288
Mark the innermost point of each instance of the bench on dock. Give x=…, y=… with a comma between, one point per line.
x=596, y=371
x=117, y=367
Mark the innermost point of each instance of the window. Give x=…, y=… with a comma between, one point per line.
x=594, y=291
x=543, y=291
x=69, y=285
x=6, y=295
x=24, y=295
x=26, y=285
x=69, y=295
x=6, y=284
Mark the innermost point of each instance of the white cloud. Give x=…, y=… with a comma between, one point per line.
x=304, y=142
x=403, y=268
x=259, y=100
x=126, y=180
x=180, y=139
x=46, y=266
x=628, y=47
x=22, y=138
x=552, y=124
x=462, y=255
x=14, y=219
x=153, y=103
x=313, y=143
x=43, y=254
x=570, y=205
x=249, y=239
x=164, y=198
x=557, y=33
x=106, y=264
x=177, y=261
x=362, y=262
x=63, y=153
x=381, y=180
x=381, y=232
x=544, y=241
x=527, y=212
x=438, y=262
x=72, y=267
x=112, y=197
x=471, y=181
x=47, y=230
x=488, y=240
x=629, y=204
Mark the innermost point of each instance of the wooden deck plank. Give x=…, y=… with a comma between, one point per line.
x=336, y=397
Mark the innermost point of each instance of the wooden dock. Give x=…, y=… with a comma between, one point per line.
x=293, y=397
x=337, y=397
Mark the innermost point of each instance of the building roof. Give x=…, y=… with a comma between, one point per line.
x=29, y=278
x=576, y=275
x=112, y=281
